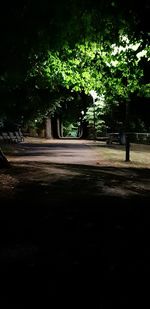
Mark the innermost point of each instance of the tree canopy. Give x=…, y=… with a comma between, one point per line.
x=35, y=25
x=47, y=47
x=112, y=70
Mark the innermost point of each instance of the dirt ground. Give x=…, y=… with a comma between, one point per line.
x=74, y=223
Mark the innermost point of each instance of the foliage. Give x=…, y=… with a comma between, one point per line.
x=69, y=129
x=79, y=37
x=94, y=115
x=112, y=70
x=34, y=27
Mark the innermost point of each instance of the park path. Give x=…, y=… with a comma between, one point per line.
x=72, y=232
x=67, y=164
x=63, y=151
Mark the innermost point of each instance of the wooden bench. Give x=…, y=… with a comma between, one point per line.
x=115, y=138
x=11, y=137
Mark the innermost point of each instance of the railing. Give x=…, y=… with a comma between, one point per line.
x=143, y=138
x=135, y=137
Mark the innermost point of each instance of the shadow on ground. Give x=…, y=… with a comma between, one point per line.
x=75, y=236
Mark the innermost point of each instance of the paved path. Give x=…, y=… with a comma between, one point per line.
x=61, y=151
x=72, y=237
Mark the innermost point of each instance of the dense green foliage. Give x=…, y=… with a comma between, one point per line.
x=113, y=71
x=50, y=50
x=92, y=65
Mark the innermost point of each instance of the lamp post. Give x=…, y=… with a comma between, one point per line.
x=81, y=124
x=94, y=96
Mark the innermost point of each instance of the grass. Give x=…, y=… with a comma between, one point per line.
x=114, y=155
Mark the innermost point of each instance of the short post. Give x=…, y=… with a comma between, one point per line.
x=127, y=147
x=127, y=144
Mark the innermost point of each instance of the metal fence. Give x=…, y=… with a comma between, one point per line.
x=135, y=137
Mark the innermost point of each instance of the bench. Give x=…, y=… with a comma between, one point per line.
x=116, y=138
x=11, y=137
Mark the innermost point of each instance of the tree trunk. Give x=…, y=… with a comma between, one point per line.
x=58, y=127
x=48, y=131
x=3, y=160
x=61, y=129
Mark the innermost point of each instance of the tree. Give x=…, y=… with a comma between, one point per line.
x=113, y=70
x=94, y=116
x=86, y=26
